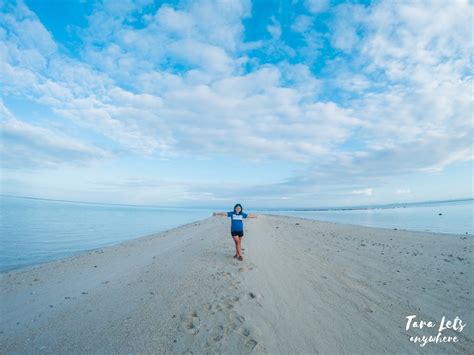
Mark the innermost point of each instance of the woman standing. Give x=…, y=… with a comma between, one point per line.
x=236, y=226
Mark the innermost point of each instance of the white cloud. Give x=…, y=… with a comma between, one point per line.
x=403, y=191
x=274, y=28
x=161, y=116
x=210, y=58
x=344, y=29
x=203, y=34
x=302, y=23
x=409, y=76
x=368, y=192
x=317, y=6
x=26, y=146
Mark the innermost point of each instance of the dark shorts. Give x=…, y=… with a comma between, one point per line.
x=235, y=233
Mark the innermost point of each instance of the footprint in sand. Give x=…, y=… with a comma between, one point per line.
x=217, y=333
x=253, y=295
x=236, y=318
x=232, y=302
x=250, y=345
x=244, y=331
x=191, y=323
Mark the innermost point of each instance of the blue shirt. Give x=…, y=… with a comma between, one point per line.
x=237, y=224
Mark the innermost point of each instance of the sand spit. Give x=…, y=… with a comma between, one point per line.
x=304, y=287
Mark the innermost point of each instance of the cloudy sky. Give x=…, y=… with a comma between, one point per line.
x=267, y=103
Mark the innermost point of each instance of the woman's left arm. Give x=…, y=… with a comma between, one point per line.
x=251, y=215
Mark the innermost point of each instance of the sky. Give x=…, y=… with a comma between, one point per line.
x=208, y=103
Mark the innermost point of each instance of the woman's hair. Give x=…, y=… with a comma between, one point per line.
x=238, y=204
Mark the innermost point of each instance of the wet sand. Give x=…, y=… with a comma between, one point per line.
x=304, y=287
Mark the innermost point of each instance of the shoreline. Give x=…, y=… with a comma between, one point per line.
x=86, y=251
x=373, y=227
x=77, y=253
x=304, y=286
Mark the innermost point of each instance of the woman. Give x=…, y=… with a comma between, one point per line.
x=236, y=226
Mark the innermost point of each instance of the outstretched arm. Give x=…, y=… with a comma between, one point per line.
x=251, y=215
x=220, y=214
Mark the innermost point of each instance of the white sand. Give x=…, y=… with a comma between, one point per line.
x=304, y=287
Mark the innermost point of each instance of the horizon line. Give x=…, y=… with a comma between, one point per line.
x=393, y=204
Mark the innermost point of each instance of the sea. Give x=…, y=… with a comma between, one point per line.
x=34, y=231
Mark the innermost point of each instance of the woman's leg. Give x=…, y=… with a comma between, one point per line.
x=237, y=244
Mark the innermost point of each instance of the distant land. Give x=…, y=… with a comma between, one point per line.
x=367, y=207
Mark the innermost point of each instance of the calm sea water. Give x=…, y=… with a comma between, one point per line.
x=456, y=216
x=35, y=231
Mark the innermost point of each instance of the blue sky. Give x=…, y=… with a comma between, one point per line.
x=207, y=103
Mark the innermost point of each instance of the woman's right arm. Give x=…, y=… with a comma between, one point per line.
x=220, y=214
